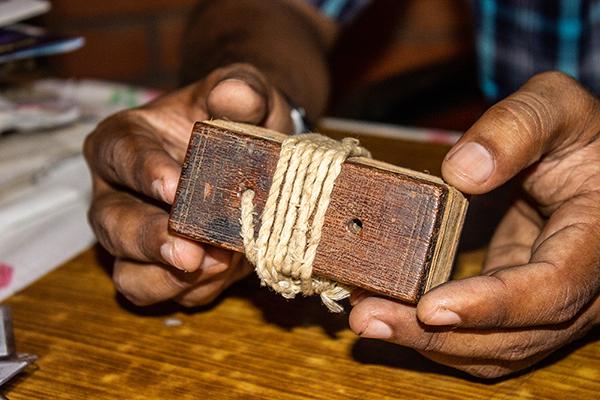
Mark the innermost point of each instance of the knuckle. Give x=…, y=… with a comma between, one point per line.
x=204, y=294
x=529, y=116
x=566, y=307
x=124, y=285
x=434, y=342
x=576, y=102
x=150, y=168
x=141, y=290
x=565, y=314
x=168, y=279
x=150, y=234
x=101, y=141
x=121, y=152
x=515, y=352
x=523, y=347
x=102, y=135
x=554, y=78
x=101, y=219
x=142, y=247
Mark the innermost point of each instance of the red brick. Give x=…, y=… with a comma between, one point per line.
x=104, y=8
x=170, y=34
x=435, y=19
x=120, y=53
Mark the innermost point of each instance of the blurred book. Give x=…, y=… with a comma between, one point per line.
x=12, y=11
x=21, y=41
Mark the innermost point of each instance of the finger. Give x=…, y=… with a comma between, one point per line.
x=559, y=280
x=358, y=295
x=119, y=154
x=236, y=100
x=145, y=283
x=380, y=318
x=242, y=93
x=132, y=229
x=548, y=115
x=279, y=118
x=209, y=290
x=514, y=237
x=482, y=368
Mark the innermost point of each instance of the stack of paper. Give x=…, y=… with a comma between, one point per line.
x=12, y=11
x=45, y=186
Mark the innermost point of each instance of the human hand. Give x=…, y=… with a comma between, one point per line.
x=539, y=287
x=135, y=159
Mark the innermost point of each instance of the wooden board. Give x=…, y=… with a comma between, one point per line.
x=381, y=230
x=252, y=344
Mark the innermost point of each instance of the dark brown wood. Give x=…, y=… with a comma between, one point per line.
x=399, y=212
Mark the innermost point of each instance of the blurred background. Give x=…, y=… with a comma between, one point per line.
x=399, y=62
x=402, y=70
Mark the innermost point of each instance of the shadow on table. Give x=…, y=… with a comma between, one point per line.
x=286, y=314
x=290, y=314
x=303, y=312
x=377, y=352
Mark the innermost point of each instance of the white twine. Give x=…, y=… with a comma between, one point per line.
x=293, y=217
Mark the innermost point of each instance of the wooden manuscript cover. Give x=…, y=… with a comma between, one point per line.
x=389, y=230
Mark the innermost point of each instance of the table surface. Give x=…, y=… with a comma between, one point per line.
x=252, y=343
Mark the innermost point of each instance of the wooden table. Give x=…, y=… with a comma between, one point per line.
x=250, y=344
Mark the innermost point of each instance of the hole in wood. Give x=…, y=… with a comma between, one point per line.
x=355, y=226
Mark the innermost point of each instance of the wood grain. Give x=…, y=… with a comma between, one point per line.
x=399, y=212
x=251, y=345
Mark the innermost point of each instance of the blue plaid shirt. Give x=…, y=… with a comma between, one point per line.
x=519, y=38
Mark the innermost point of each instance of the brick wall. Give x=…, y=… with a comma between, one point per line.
x=395, y=37
x=136, y=41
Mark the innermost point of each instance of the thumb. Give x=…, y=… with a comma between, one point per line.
x=237, y=100
x=242, y=93
x=547, y=115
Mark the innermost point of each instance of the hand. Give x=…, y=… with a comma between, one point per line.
x=539, y=286
x=135, y=159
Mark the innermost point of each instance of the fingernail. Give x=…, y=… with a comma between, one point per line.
x=237, y=100
x=472, y=161
x=377, y=329
x=164, y=190
x=209, y=261
x=167, y=251
x=443, y=317
x=249, y=79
